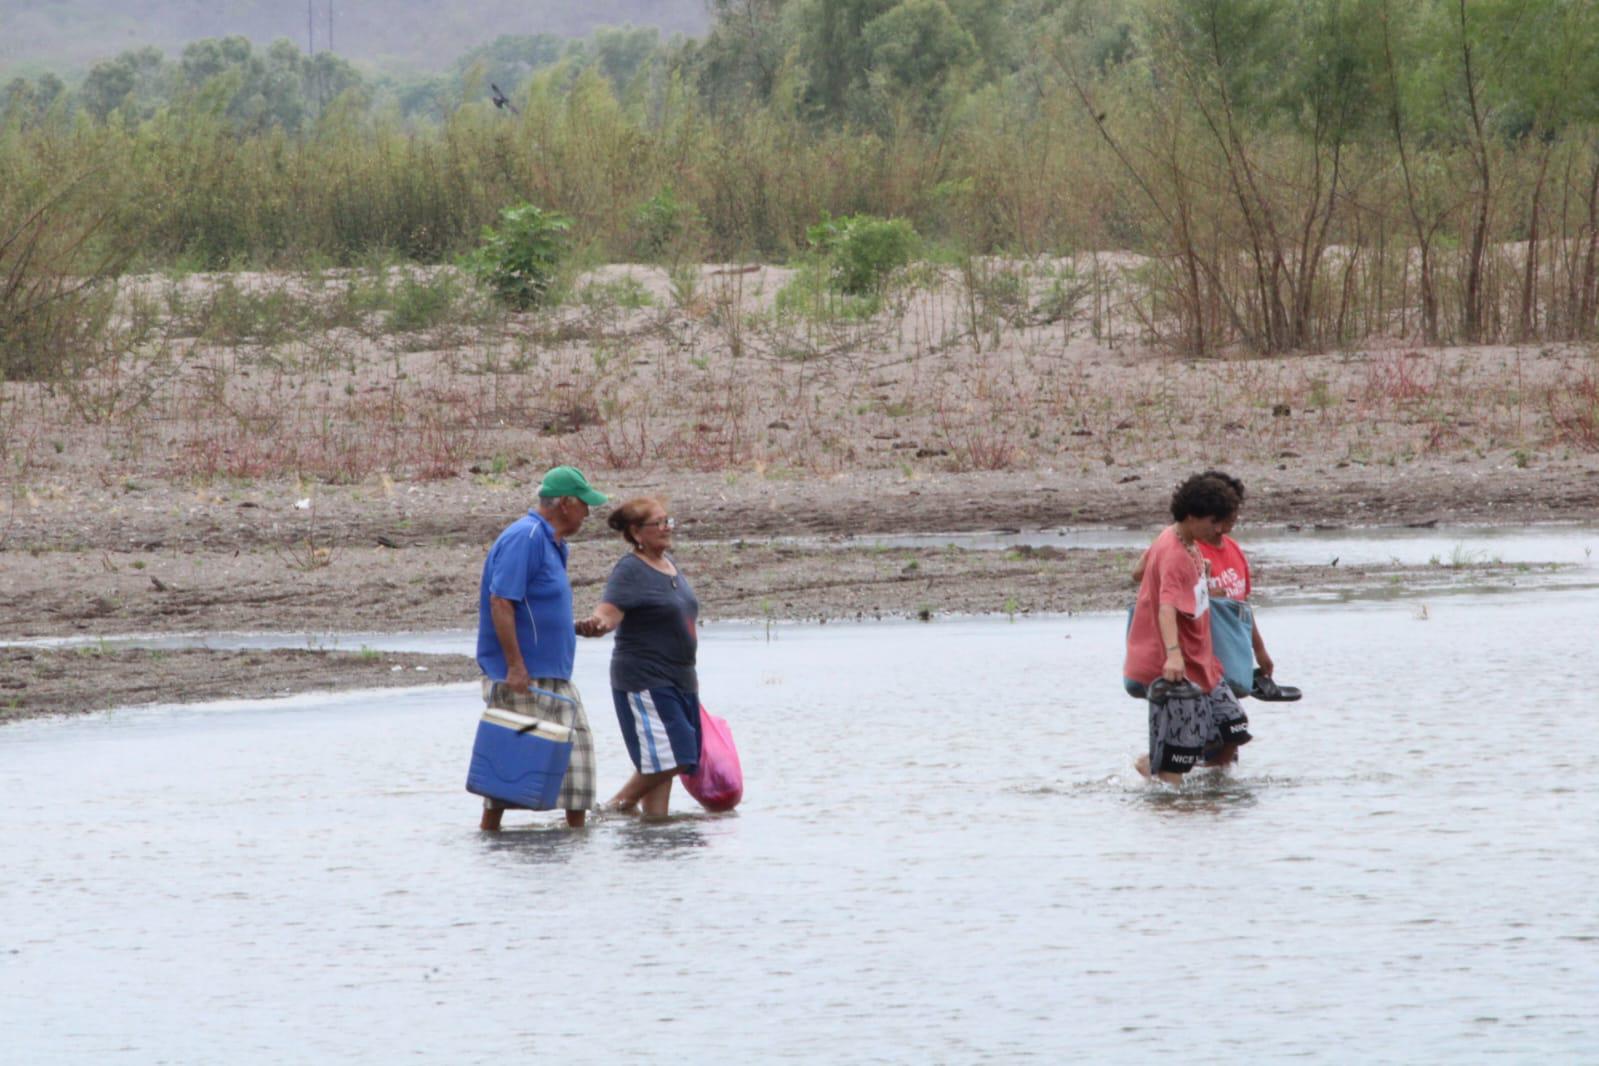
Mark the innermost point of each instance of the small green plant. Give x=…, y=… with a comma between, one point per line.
x=1004, y=294
x=862, y=251
x=237, y=315
x=626, y=292
x=1319, y=397
x=520, y=259
x=423, y=304
x=685, y=280
x=811, y=294
x=1063, y=299
x=662, y=222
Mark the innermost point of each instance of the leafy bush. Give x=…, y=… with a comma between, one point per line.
x=862, y=250
x=662, y=222
x=812, y=293
x=1064, y=297
x=626, y=292
x=242, y=314
x=420, y=304
x=520, y=259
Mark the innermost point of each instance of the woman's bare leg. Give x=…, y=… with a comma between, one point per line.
x=627, y=797
x=659, y=797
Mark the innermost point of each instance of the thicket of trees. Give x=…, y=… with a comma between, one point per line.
x=281, y=87
x=1298, y=172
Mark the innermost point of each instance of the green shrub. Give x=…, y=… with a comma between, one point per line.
x=811, y=294
x=1064, y=297
x=235, y=314
x=862, y=250
x=662, y=222
x=423, y=304
x=519, y=261
x=626, y=292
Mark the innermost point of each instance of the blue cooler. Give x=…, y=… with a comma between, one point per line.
x=519, y=760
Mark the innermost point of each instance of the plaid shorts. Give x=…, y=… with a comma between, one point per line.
x=552, y=699
x=1184, y=732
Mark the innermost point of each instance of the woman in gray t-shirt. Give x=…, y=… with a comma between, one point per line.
x=652, y=608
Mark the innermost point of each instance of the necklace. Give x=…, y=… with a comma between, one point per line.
x=645, y=559
x=1192, y=548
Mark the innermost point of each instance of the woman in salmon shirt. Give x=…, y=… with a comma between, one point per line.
x=1230, y=580
x=1169, y=640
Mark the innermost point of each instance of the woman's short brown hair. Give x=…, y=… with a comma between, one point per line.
x=626, y=517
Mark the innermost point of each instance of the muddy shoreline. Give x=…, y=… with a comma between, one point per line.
x=142, y=561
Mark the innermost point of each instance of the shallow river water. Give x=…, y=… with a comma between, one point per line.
x=943, y=856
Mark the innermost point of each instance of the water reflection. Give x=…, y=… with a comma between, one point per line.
x=537, y=845
x=1204, y=793
x=543, y=838
x=670, y=840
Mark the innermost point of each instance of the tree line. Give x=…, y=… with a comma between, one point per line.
x=1291, y=173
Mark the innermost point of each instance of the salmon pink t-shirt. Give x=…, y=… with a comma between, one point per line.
x=1229, y=569
x=1174, y=575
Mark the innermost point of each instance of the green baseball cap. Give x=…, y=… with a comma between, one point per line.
x=569, y=481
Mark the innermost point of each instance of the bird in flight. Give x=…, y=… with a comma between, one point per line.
x=503, y=101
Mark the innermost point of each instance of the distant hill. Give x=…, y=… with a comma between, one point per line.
x=68, y=36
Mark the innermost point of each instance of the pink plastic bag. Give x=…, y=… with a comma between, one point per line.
x=718, y=781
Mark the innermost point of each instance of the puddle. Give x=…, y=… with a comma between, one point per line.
x=943, y=855
x=1443, y=546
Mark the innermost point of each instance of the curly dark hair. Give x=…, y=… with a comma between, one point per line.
x=1231, y=482
x=1204, y=496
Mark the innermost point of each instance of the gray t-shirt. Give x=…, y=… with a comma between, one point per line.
x=658, y=639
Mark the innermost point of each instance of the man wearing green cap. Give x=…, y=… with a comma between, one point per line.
x=527, y=636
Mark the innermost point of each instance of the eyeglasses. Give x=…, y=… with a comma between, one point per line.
x=664, y=523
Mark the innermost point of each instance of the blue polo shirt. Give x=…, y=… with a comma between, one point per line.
x=527, y=565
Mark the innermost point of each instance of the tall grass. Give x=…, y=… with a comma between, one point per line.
x=1258, y=233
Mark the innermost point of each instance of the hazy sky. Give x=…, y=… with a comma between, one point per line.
x=70, y=35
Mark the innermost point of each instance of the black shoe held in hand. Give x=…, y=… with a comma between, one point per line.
x=1269, y=691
